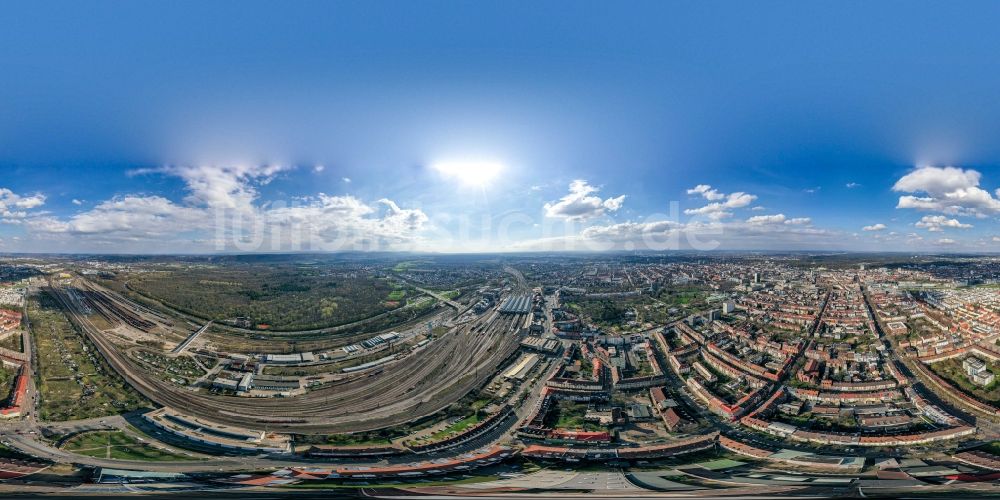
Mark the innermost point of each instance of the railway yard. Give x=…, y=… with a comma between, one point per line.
x=846, y=368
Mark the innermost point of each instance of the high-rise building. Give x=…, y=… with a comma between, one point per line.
x=728, y=307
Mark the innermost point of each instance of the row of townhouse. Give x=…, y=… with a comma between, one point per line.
x=730, y=371
x=746, y=366
x=670, y=449
x=726, y=410
x=870, y=397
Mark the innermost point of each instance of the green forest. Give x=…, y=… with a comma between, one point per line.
x=282, y=297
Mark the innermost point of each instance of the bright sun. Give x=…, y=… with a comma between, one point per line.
x=470, y=172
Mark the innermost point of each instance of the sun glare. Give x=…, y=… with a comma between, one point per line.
x=470, y=172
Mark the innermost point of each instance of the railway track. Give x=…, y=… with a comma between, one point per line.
x=316, y=339
x=416, y=386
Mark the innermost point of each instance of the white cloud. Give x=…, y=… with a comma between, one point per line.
x=852, y=185
x=46, y=224
x=718, y=209
x=221, y=187
x=347, y=222
x=996, y=239
x=319, y=168
x=614, y=204
x=630, y=231
x=946, y=241
x=874, y=227
x=222, y=208
x=766, y=219
x=581, y=203
x=936, y=180
x=77, y=202
x=759, y=220
x=347, y=180
x=706, y=192
x=14, y=207
x=148, y=216
x=936, y=223
x=949, y=190
x=700, y=235
x=739, y=199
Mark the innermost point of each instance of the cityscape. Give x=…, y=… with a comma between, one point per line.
x=693, y=374
x=499, y=250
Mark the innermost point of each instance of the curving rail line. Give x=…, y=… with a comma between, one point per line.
x=416, y=386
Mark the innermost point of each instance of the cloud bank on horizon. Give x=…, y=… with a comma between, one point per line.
x=223, y=209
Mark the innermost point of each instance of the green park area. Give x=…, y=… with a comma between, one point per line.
x=569, y=415
x=952, y=371
x=118, y=445
x=456, y=427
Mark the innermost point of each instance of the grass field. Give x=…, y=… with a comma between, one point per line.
x=12, y=342
x=456, y=427
x=7, y=377
x=74, y=381
x=570, y=415
x=951, y=370
x=721, y=464
x=406, y=265
x=117, y=445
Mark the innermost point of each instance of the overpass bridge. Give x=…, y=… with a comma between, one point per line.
x=184, y=345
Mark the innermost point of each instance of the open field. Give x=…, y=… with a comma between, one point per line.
x=117, y=445
x=73, y=380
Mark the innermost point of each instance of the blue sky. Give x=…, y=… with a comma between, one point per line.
x=246, y=126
